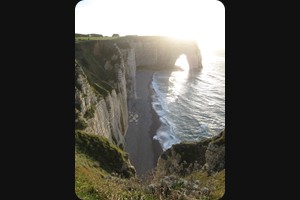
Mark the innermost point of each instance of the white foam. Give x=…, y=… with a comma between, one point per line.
x=194, y=115
x=165, y=139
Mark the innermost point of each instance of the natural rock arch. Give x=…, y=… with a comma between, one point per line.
x=157, y=52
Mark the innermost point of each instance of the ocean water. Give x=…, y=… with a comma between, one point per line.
x=191, y=106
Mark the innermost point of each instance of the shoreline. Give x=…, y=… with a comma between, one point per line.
x=143, y=150
x=157, y=149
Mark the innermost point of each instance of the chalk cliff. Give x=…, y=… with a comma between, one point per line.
x=162, y=52
x=100, y=91
x=105, y=84
x=105, y=78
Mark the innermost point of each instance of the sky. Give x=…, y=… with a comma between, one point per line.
x=202, y=20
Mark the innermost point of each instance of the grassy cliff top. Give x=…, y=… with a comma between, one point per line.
x=102, y=171
x=96, y=176
x=93, y=37
x=109, y=157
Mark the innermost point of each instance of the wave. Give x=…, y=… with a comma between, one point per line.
x=189, y=109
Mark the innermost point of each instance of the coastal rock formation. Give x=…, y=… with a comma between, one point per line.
x=100, y=91
x=207, y=154
x=194, y=170
x=105, y=90
x=128, y=56
x=215, y=154
x=162, y=52
x=105, y=78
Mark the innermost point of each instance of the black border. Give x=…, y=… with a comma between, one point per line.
x=37, y=82
x=39, y=134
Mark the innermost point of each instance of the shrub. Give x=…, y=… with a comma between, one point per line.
x=90, y=112
x=80, y=124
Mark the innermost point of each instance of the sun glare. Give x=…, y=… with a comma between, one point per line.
x=182, y=62
x=178, y=79
x=201, y=20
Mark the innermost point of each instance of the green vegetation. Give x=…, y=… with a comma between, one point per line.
x=92, y=62
x=191, y=152
x=197, y=185
x=98, y=176
x=80, y=122
x=110, y=157
x=181, y=171
x=106, y=85
x=101, y=90
x=219, y=139
x=181, y=156
x=90, y=112
x=93, y=37
x=93, y=183
x=87, y=174
x=214, y=184
x=102, y=172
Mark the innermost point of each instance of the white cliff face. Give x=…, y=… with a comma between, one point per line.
x=105, y=79
x=130, y=67
x=146, y=53
x=106, y=114
x=88, y=100
x=159, y=52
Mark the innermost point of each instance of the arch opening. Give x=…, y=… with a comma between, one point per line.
x=182, y=62
x=178, y=78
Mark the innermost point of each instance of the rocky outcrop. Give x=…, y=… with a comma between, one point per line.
x=194, y=170
x=215, y=154
x=183, y=158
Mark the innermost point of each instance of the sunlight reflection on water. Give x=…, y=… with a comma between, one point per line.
x=178, y=79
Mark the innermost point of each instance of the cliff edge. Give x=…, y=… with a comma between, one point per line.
x=105, y=81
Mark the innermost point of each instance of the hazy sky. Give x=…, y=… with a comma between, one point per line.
x=203, y=20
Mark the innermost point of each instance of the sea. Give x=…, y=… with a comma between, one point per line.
x=190, y=106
